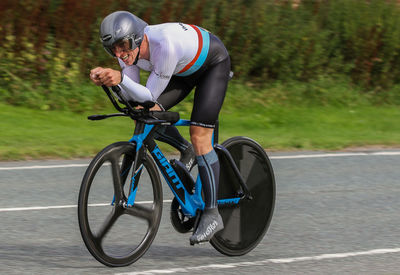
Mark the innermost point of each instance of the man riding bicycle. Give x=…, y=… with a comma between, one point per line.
x=180, y=57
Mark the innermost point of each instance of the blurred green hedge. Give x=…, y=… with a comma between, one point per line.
x=47, y=47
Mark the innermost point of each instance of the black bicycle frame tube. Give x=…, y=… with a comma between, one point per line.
x=234, y=168
x=216, y=133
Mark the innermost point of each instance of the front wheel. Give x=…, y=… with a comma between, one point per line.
x=246, y=223
x=115, y=234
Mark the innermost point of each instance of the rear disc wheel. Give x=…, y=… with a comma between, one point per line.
x=246, y=223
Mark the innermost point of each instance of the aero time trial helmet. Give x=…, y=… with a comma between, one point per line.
x=121, y=25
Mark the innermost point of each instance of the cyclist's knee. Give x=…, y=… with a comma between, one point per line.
x=201, y=139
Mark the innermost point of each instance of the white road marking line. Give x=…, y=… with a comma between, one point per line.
x=326, y=155
x=63, y=206
x=210, y=267
x=44, y=166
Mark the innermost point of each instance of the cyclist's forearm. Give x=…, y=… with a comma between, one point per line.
x=135, y=91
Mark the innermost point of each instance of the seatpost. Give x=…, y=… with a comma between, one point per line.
x=216, y=132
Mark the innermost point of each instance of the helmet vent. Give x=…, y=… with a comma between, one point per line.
x=106, y=37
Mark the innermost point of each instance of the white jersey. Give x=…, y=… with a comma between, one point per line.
x=175, y=49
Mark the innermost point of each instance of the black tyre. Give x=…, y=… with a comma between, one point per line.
x=246, y=223
x=117, y=235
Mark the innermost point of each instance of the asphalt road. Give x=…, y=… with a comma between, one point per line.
x=335, y=214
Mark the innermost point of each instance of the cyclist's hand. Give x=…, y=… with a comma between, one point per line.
x=94, y=75
x=156, y=107
x=108, y=77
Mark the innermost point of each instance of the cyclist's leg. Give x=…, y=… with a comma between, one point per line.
x=210, y=222
x=175, y=92
x=207, y=161
x=208, y=99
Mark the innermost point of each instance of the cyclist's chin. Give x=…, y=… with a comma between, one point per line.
x=129, y=61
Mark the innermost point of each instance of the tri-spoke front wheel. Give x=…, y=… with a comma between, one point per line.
x=114, y=233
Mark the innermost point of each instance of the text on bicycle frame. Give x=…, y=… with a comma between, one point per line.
x=169, y=173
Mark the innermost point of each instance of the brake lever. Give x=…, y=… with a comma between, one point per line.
x=97, y=117
x=100, y=117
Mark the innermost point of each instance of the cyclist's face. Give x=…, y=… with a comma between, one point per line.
x=122, y=50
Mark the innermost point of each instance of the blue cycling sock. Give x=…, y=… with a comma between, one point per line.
x=208, y=165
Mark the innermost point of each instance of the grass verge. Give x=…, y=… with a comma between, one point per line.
x=36, y=134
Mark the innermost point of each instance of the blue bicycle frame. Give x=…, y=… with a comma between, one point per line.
x=143, y=135
x=190, y=203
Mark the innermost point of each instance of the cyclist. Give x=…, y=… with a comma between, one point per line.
x=180, y=57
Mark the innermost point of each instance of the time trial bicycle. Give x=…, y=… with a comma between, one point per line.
x=121, y=197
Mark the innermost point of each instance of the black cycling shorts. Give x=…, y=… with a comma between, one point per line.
x=210, y=81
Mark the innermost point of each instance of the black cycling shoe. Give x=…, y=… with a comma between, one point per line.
x=188, y=158
x=210, y=223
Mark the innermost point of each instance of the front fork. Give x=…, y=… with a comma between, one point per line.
x=142, y=133
x=136, y=162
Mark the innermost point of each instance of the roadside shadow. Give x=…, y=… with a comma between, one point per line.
x=165, y=252
x=78, y=257
x=46, y=256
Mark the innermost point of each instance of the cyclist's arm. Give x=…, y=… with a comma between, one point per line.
x=165, y=61
x=133, y=72
x=130, y=84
